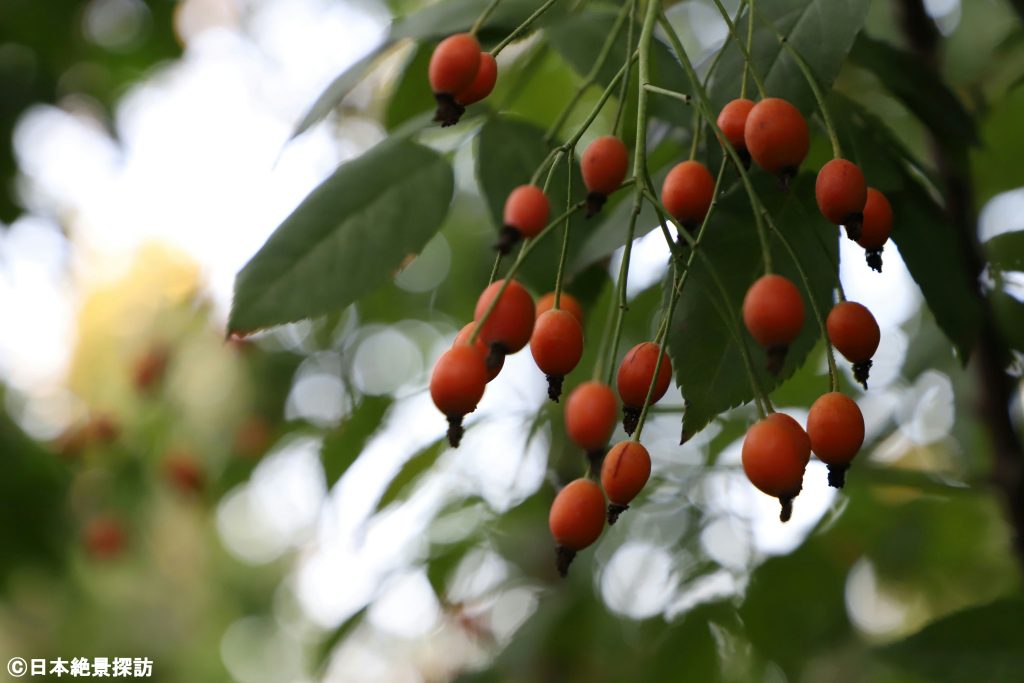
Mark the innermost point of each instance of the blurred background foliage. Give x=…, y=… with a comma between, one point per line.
x=282, y=508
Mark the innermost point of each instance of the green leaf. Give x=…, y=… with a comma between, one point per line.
x=346, y=238
x=982, y=643
x=410, y=96
x=822, y=31
x=336, y=91
x=411, y=470
x=1006, y=251
x=920, y=89
x=705, y=356
x=342, y=446
x=929, y=246
x=508, y=152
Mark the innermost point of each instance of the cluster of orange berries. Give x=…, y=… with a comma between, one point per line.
x=773, y=134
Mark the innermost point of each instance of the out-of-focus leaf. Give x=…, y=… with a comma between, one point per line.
x=1009, y=315
x=411, y=470
x=508, y=152
x=1006, y=251
x=929, y=246
x=411, y=96
x=342, y=446
x=347, y=237
x=920, y=89
x=336, y=91
x=983, y=643
x=822, y=31
x=995, y=165
x=705, y=356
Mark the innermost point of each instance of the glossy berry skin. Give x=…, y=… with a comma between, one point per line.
x=636, y=371
x=841, y=191
x=773, y=311
x=797, y=431
x=590, y=415
x=877, y=224
x=526, y=210
x=454, y=64
x=625, y=471
x=604, y=164
x=733, y=120
x=836, y=427
x=567, y=303
x=577, y=514
x=481, y=346
x=483, y=82
x=688, y=191
x=458, y=381
x=774, y=457
x=511, y=322
x=776, y=136
x=853, y=331
x=557, y=342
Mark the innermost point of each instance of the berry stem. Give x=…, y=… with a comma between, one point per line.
x=559, y=274
x=677, y=287
x=478, y=24
x=808, y=75
x=494, y=268
x=745, y=49
x=623, y=92
x=639, y=170
x=750, y=50
x=729, y=315
x=591, y=78
x=522, y=28
x=705, y=105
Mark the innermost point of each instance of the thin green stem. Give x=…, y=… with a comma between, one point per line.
x=625, y=81
x=748, y=61
x=729, y=315
x=514, y=268
x=559, y=274
x=666, y=323
x=750, y=49
x=819, y=96
x=639, y=170
x=494, y=268
x=522, y=28
x=483, y=17
x=705, y=105
x=591, y=77
x=682, y=97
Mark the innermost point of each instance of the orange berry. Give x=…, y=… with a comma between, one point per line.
x=854, y=332
x=774, y=458
x=526, y=214
x=483, y=82
x=104, y=536
x=184, y=472
x=841, y=192
x=634, y=379
x=625, y=471
x=590, y=415
x=457, y=385
x=798, y=432
x=773, y=312
x=510, y=324
x=567, y=303
x=876, y=227
x=776, y=136
x=733, y=119
x=836, y=427
x=576, y=519
x=604, y=164
x=557, y=346
x=454, y=64
x=688, y=191
x=481, y=346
